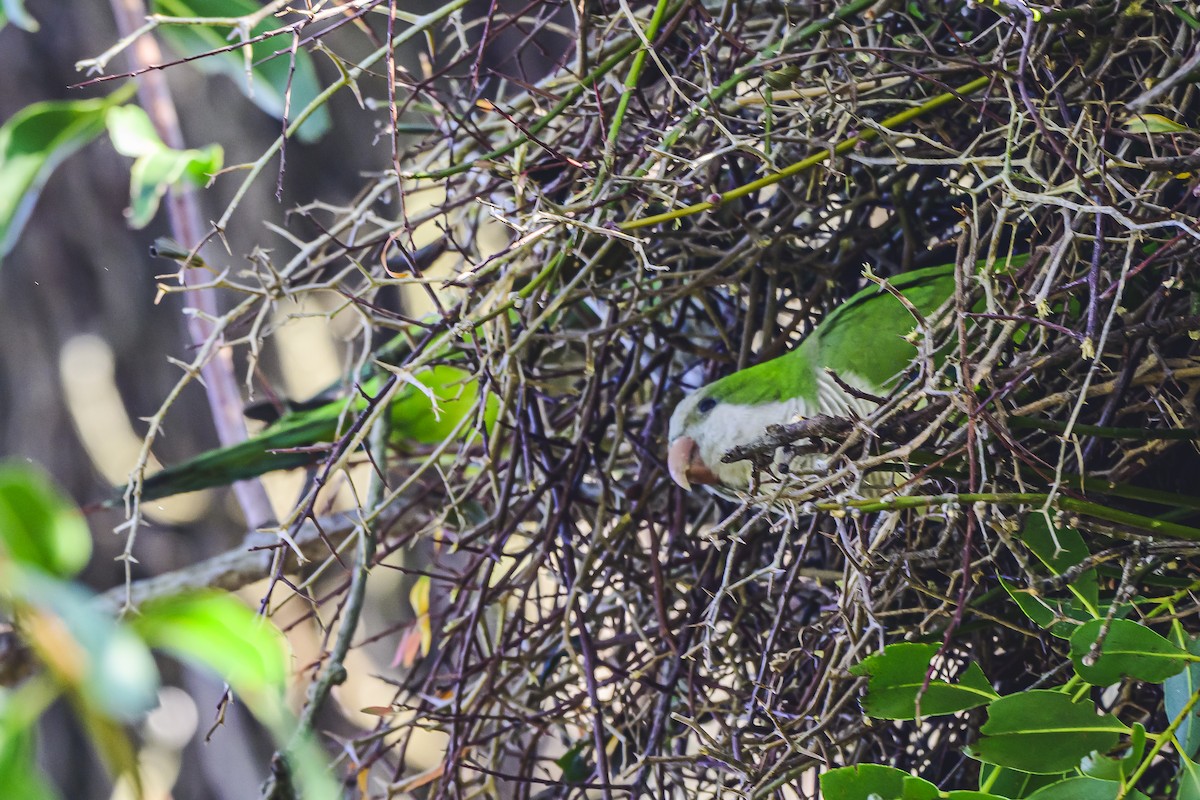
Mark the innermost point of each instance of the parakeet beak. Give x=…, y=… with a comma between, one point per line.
x=686, y=466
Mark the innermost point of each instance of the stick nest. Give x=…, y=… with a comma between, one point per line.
x=594, y=628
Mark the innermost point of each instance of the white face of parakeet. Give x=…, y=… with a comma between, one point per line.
x=705, y=426
x=703, y=429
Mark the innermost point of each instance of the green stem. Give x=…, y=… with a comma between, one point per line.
x=1160, y=741
x=1187, y=18
x=816, y=158
x=1171, y=530
x=1179, y=502
x=631, y=82
x=562, y=105
x=727, y=86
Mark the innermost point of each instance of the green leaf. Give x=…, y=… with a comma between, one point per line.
x=268, y=73
x=114, y=746
x=132, y=132
x=217, y=631
x=1177, y=693
x=18, y=768
x=33, y=142
x=897, y=673
x=39, y=525
x=575, y=768
x=157, y=167
x=861, y=781
x=1137, y=748
x=1101, y=767
x=1189, y=779
x=152, y=175
x=1013, y=783
x=915, y=788
x=87, y=651
x=1081, y=788
x=214, y=629
x=1042, y=731
x=14, y=11
x=1060, y=618
x=1060, y=549
x=1128, y=649
x=1154, y=123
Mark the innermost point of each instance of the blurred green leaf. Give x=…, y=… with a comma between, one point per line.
x=39, y=525
x=897, y=673
x=575, y=768
x=19, y=775
x=216, y=630
x=1043, y=731
x=153, y=175
x=157, y=167
x=132, y=132
x=33, y=142
x=18, y=768
x=87, y=651
x=113, y=744
x=1128, y=649
x=263, y=77
x=1154, y=123
x=14, y=11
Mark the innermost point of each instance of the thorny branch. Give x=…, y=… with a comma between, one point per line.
x=591, y=625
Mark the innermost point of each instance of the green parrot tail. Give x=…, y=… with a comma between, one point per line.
x=295, y=439
x=297, y=446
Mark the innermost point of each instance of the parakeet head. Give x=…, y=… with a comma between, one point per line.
x=735, y=410
x=695, y=441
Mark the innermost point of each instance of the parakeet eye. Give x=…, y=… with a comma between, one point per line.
x=706, y=405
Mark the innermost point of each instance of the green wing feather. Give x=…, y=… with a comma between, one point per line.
x=863, y=337
x=414, y=422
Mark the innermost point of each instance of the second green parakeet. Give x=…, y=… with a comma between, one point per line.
x=294, y=439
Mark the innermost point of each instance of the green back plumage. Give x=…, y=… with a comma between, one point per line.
x=863, y=336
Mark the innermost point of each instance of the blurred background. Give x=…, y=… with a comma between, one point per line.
x=596, y=624
x=84, y=349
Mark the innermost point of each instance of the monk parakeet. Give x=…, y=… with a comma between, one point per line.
x=862, y=341
x=420, y=415
x=423, y=414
